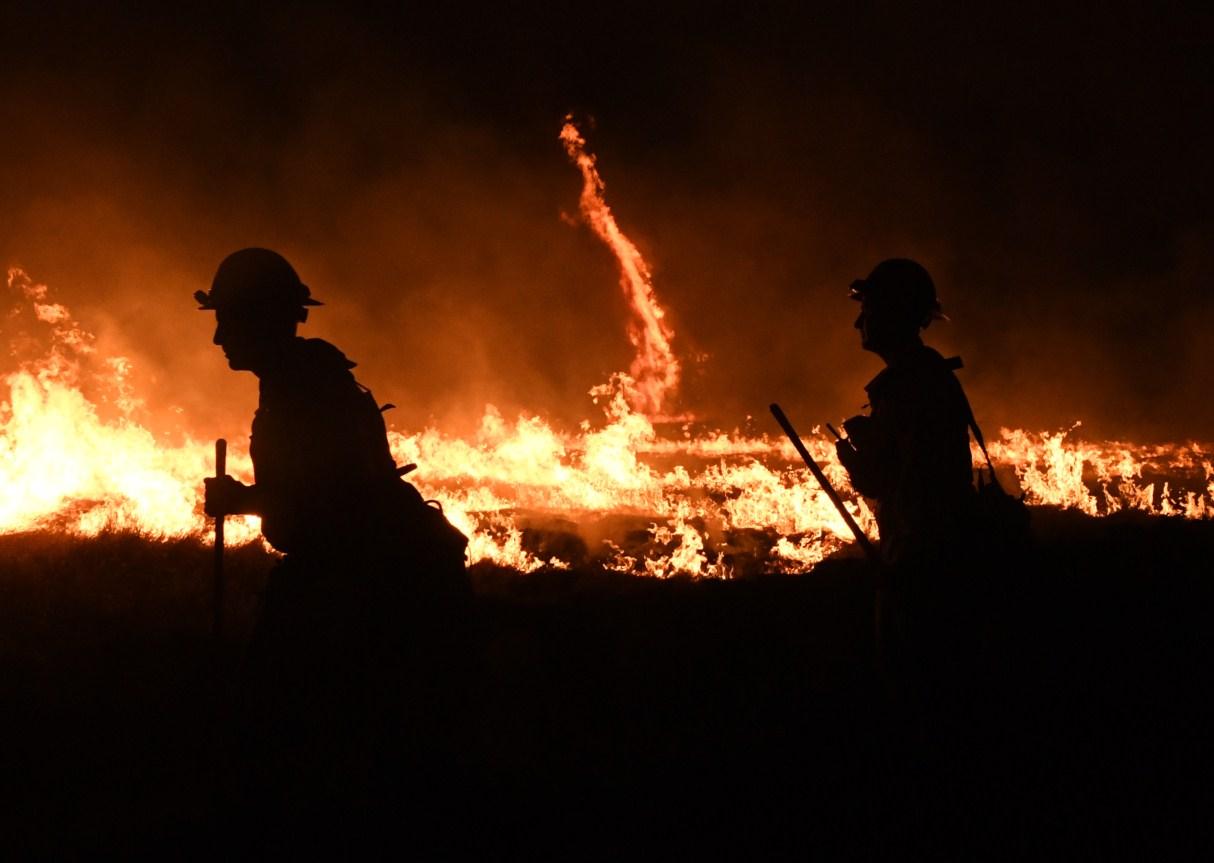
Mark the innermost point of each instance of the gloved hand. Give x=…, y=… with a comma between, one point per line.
x=862, y=431
x=848, y=457
x=226, y=496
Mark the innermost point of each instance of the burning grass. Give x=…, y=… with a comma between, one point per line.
x=632, y=493
x=639, y=490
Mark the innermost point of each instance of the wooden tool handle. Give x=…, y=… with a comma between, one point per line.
x=221, y=469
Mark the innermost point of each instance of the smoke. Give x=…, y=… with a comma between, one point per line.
x=410, y=170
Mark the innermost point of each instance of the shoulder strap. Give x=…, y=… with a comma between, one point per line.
x=953, y=364
x=977, y=434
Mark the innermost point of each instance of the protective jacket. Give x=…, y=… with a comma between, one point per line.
x=324, y=473
x=916, y=459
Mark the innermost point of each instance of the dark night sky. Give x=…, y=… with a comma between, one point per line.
x=1052, y=169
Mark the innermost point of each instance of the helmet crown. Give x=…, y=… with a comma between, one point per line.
x=901, y=284
x=257, y=279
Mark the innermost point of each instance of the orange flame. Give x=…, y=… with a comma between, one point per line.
x=1108, y=477
x=701, y=504
x=654, y=373
x=62, y=465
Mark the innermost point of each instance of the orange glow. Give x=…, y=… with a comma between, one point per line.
x=62, y=466
x=700, y=498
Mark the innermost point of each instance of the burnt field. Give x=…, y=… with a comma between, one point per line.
x=618, y=712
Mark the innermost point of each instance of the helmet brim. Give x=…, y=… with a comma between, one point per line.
x=206, y=302
x=856, y=293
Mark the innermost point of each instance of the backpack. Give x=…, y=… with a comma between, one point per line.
x=434, y=540
x=423, y=529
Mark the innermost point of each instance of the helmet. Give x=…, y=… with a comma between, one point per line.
x=901, y=284
x=260, y=280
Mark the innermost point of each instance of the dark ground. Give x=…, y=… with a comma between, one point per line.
x=619, y=713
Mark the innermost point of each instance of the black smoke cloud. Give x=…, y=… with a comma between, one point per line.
x=1052, y=173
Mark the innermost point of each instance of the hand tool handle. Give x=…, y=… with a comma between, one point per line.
x=221, y=469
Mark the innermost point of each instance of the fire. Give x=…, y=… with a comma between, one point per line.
x=654, y=373
x=62, y=465
x=1104, y=478
x=646, y=494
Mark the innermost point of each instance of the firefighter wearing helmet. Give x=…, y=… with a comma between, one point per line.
x=361, y=615
x=319, y=446
x=910, y=456
x=911, y=451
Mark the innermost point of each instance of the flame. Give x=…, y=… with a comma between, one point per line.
x=64, y=466
x=654, y=374
x=1107, y=477
x=650, y=498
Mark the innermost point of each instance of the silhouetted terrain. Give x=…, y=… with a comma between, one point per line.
x=617, y=712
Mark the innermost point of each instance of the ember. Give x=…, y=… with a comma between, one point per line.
x=650, y=492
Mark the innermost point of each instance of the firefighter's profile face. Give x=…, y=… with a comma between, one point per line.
x=882, y=325
x=247, y=337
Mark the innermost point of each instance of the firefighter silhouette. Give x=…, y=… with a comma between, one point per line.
x=350, y=673
x=911, y=452
x=911, y=455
